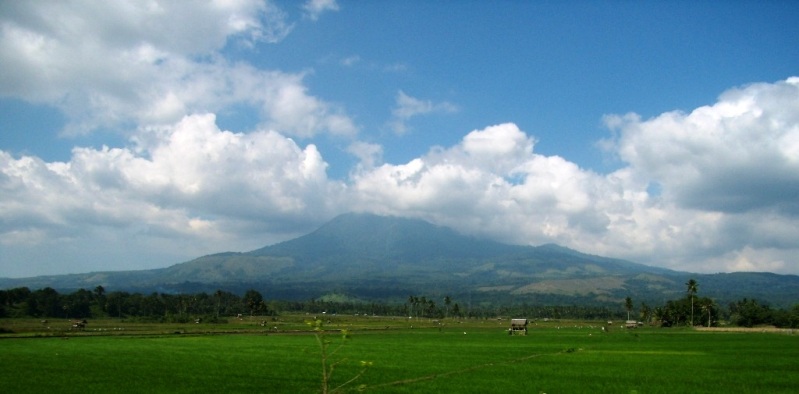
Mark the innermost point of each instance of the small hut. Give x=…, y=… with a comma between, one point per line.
x=518, y=326
x=79, y=324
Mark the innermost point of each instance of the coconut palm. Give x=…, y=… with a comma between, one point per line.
x=660, y=314
x=411, y=301
x=693, y=287
x=628, y=305
x=218, y=295
x=646, y=312
x=707, y=305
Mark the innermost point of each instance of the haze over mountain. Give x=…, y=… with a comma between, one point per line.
x=375, y=257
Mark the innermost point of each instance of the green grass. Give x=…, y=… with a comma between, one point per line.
x=404, y=360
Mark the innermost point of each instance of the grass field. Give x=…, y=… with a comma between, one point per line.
x=408, y=357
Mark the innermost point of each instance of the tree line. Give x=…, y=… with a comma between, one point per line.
x=215, y=307
x=47, y=302
x=691, y=310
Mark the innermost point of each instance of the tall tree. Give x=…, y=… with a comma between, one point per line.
x=218, y=295
x=707, y=305
x=253, y=300
x=628, y=305
x=447, y=301
x=99, y=298
x=431, y=308
x=646, y=312
x=692, y=288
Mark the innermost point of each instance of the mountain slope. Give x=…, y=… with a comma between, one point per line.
x=359, y=245
x=388, y=257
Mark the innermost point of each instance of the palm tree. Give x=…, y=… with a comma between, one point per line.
x=660, y=314
x=707, y=305
x=646, y=312
x=693, y=287
x=628, y=305
x=99, y=296
x=218, y=295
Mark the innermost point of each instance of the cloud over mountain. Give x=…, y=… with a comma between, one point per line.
x=726, y=196
x=715, y=188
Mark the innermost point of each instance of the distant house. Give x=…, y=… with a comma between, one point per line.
x=631, y=324
x=518, y=326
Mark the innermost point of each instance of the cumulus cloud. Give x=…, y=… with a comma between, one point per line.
x=63, y=45
x=407, y=107
x=738, y=155
x=727, y=179
x=191, y=183
x=714, y=189
x=490, y=184
x=143, y=63
x=289, y=107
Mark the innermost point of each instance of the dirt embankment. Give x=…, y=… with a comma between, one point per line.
x=750, y=329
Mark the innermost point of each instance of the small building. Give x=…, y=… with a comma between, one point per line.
x=518, y=326
x=631, y=324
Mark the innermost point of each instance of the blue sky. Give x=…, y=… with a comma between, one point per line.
x=141, y=135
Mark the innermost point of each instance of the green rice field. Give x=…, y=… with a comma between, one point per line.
x=391, y=355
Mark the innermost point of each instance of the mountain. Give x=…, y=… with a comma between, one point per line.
x=388, y=258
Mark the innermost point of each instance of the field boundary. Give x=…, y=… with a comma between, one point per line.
x=789, y=331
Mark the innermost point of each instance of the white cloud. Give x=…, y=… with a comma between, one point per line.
x=727, y=180
x=368, y=154
x=727, y=174
x=315, y=8
x=209, y=190
x=191, y=184
x=152, y=63
x=56, y=42
x=288, y=107
x=490, y=184
x=408, y=107
x=737, y=155
x=748, y=259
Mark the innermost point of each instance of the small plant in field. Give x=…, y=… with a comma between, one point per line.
x=328, y=350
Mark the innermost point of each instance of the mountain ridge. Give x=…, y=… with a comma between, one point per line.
x=383, y=257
